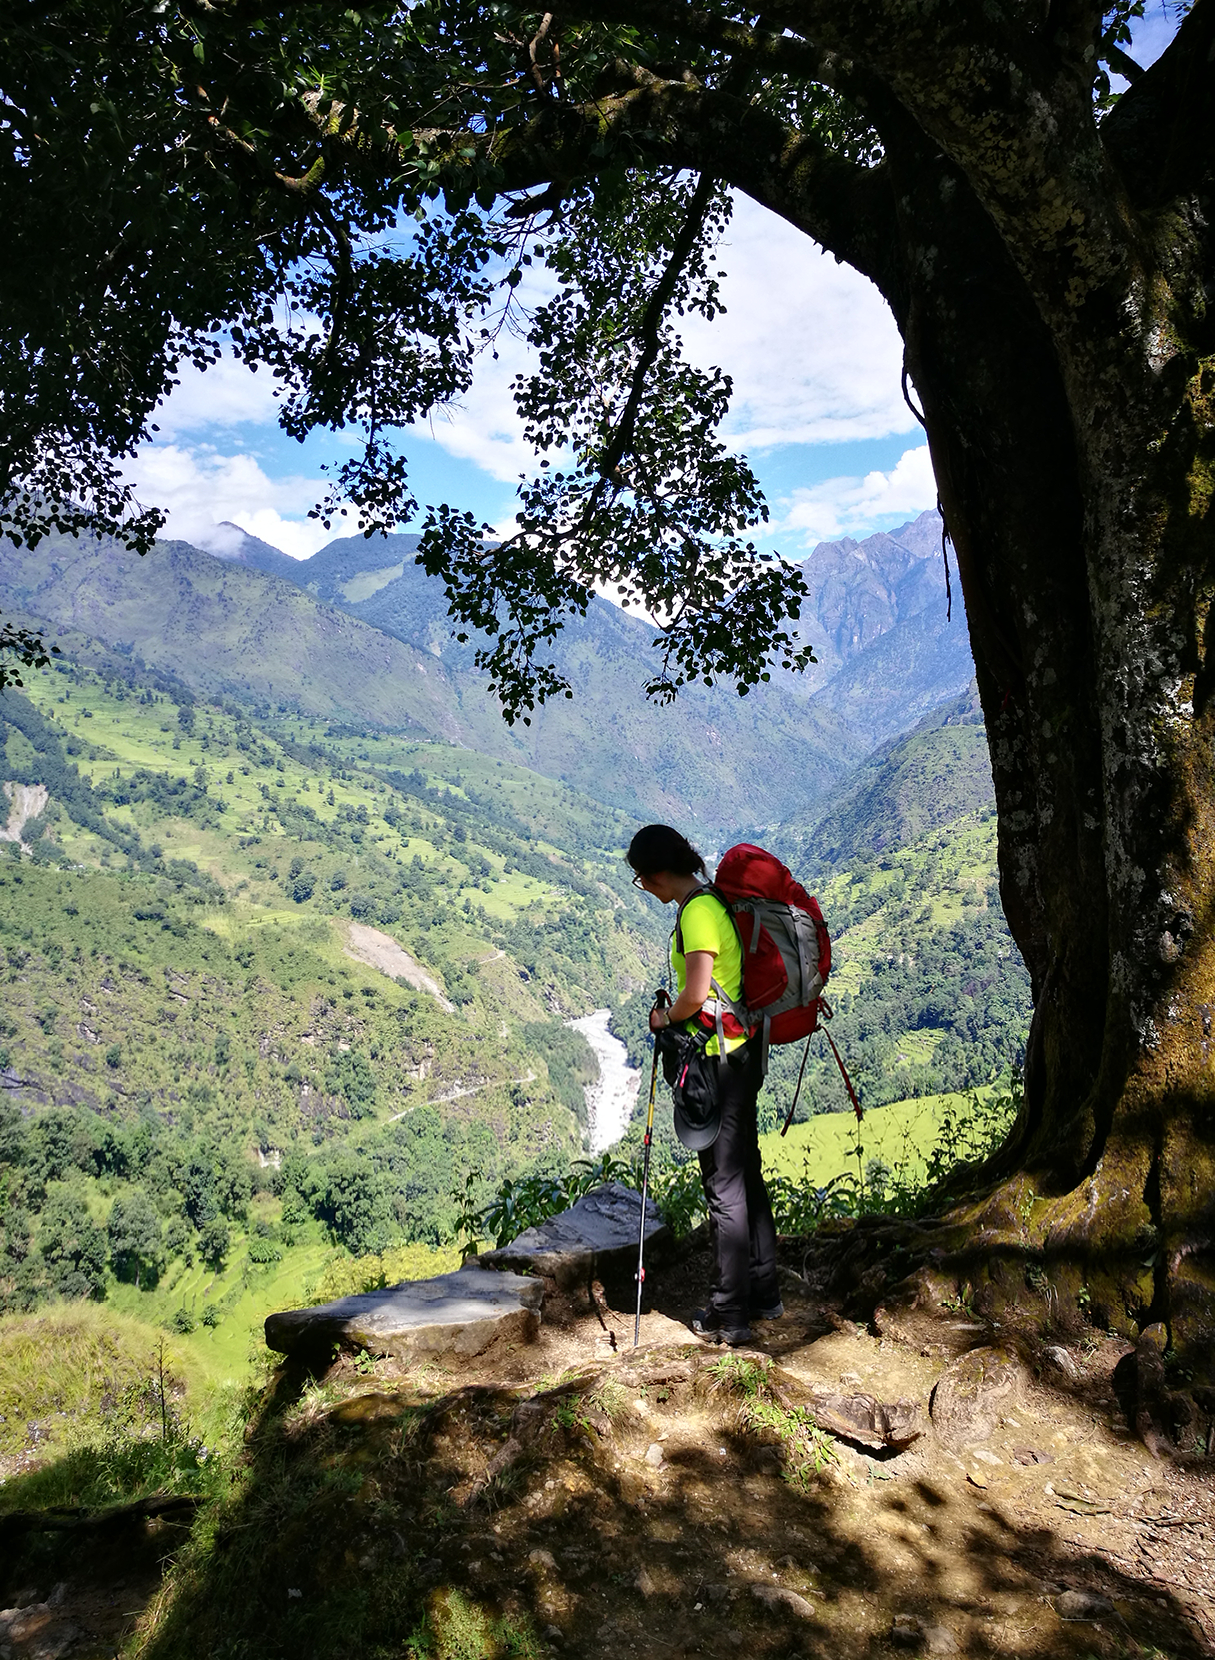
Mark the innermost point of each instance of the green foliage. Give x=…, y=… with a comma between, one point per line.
x=136, y=1247
x=677, y=1191
x=457, y=1628
x=761, y=1411
x=204, y=1034
x=214, y=1240
x=526, y=1201
x=571, y=1062
x=72, y=1247
x=349, y=1075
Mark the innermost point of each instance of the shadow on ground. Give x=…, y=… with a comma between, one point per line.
x=575, y=1498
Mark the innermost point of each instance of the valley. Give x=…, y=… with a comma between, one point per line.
x=285, y=974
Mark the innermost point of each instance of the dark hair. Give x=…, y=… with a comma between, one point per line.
x=658, y=847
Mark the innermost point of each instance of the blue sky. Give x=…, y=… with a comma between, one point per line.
x=818, y=409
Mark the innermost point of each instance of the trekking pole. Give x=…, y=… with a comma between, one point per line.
x=784, y=1130
x=661, y=1000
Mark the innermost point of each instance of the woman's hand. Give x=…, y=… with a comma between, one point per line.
x=659, y=1018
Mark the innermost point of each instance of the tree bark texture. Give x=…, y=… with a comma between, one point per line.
x=1053, y=281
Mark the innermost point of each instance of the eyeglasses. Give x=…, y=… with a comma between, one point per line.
x=637, y=881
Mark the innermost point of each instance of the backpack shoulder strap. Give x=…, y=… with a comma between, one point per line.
x=715, y=892
x=719, y=1002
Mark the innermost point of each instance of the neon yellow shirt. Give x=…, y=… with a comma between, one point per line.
x=706, y=925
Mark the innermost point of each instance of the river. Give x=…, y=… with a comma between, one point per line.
x=611, y=1098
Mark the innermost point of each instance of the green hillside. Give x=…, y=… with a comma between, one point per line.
x=227, y=630
x=276, y=986
x=921, y=781
x=277, y=982
x=929, y=989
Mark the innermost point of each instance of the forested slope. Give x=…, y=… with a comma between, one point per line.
x=196, y=1069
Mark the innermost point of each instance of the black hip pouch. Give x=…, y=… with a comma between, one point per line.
x=694, y=1078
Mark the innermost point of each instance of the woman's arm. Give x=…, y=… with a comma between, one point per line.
x=699, y=971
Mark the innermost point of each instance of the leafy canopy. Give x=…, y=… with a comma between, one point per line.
x=349, y=199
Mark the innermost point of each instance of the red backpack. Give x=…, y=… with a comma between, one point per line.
x=786, y=948
x=786, y=953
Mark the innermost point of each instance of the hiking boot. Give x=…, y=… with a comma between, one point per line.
x=774, y=1311
x=706, y=1323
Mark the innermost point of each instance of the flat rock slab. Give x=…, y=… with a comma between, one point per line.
x=594, y=1238
x=460, y=1313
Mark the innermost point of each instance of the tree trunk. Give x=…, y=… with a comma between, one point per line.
x=1087, y=561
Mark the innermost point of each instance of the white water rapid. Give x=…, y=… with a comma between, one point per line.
x=611, y=1097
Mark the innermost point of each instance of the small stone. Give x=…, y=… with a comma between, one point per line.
x=1083, y=1605
x=654, y=1455
x=970, y=1395
x=645, y=1584
x=541, y=1558
x=1032, y=1455
x=555, y=1633
x=1062, y=1360
x=905, y=1631
x=976, y=1478
x=776, y=1597
x=938, y=1639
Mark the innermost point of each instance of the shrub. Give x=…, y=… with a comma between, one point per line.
x=214, y=1239
x=72, y=1247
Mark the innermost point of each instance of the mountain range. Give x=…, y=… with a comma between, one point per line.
x=227, y=628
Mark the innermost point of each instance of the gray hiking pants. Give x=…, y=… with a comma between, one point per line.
x=741, y=1229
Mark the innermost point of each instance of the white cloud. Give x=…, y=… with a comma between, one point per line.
x=484, y=427
x=857, y=506
x=812, y=350
x=811, y=345
x=226, y=395
x=200, y=488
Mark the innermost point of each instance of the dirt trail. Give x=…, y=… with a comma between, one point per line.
x=576, y=1497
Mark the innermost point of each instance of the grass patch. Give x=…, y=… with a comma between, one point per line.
x=345, y=1276
x=109, y=1409
x=826, y=1146
x=64, y=1367
x=804, y=1447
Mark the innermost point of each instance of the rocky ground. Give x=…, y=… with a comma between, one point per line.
x=923, y=1481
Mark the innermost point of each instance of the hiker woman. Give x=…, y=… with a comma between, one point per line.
x=719, y=1124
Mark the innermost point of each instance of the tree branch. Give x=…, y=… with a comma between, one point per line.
x=847, y=208
x=1161, y=133
x=1011, y=108
x=621, y=441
